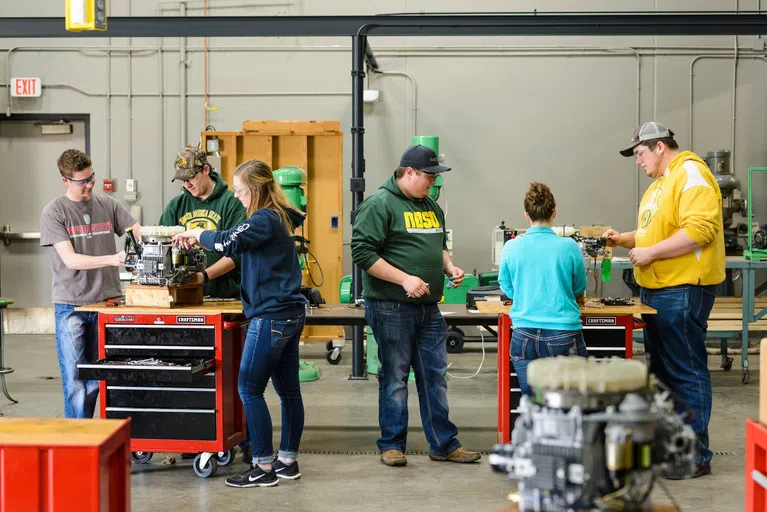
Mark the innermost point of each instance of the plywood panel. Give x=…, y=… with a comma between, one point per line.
x=254, y=147
x=324, y=202
x=293, y=127
x=317, y=147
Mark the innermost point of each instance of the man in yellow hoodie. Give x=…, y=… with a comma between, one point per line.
x=678, y=255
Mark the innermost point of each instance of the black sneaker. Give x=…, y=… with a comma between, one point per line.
x=286, y=471
x=253, y=477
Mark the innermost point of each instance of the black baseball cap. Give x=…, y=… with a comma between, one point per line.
x=422, y=158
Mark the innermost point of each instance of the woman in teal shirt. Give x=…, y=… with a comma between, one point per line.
x=545, y=277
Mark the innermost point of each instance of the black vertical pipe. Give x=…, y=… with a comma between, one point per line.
x=357, y=188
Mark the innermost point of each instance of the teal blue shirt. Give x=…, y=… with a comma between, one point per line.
x=543, y=273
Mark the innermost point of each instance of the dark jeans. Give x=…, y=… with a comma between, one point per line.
x=76, y=342
x=530, y=344
x=411, y=335
x=675, y=347
x=271, y=350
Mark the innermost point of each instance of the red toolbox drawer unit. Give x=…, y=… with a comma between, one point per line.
x=174, y=373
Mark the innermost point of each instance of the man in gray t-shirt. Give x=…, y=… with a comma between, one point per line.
x=81, y=227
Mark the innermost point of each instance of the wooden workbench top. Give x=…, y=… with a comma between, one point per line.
x=208, y=308
x=56, y=431
x=335, y=314
x=637, y=308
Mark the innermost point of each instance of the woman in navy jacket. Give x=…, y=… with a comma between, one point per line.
x=272, y=301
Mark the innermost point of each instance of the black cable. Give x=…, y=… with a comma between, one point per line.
x=309, y=268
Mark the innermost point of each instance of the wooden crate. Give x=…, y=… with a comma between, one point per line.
x=316, y=147
x=163, y=296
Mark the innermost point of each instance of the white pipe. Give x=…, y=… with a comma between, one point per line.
x=161, y=77
x=654, y=76
x=268, y=3
x=109, y=108
x=690, y=108
x=415, y=97
x=130, y=98
x=234, y=94
x=390, y=50
x=182, y=83
x=638, y=120
x=9, y=108
x=734, y=96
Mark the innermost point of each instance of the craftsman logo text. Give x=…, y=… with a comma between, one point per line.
x=190, y=319
x=600, y=320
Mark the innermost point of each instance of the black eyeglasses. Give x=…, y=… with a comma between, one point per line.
x=84, y=181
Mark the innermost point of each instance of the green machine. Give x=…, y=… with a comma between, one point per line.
x=432, y=142
x=290, y=179
x=756, y=251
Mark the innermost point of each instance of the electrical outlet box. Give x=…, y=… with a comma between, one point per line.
x=130, y=185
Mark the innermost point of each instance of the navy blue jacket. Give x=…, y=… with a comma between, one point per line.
x=271, y=275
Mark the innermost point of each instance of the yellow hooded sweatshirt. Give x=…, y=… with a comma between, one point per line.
x=686, y=197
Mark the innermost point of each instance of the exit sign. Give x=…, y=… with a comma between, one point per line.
x=26, y=87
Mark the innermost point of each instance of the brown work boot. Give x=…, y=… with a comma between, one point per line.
x=460, y=454
x=394, y=458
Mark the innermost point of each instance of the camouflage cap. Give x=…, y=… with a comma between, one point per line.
x=189, y=162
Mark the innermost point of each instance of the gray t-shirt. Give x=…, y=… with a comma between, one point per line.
x=91, y=227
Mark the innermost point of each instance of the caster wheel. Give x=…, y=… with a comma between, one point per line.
x=209, y=469
x=454, y=342
x=334, y=356
x=458, y=330
x=329, y=346
x=225, y=458
x=744, y=380
x=140, y=457
x=727, y=364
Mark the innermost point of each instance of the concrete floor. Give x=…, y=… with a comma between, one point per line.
x=342, y=472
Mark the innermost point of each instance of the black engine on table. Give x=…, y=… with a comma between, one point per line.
x=594, y=437
x=157, y=261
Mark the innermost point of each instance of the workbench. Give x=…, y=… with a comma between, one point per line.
x=455, y=315
x=750, y=314
x=607, y=332
x=174, y=373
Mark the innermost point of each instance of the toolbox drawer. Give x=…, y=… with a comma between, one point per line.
x=160, y=336
x=126, y=369
x=173, y=424
x=160, y=397
x=604, y=337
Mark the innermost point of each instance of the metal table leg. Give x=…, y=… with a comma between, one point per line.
x=749, y=275
x=3, y=370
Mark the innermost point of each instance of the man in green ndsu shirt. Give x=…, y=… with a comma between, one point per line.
x=206, y=202
x=399, y=240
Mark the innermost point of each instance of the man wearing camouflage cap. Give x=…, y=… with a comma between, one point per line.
x=678, y=255
x=206, y=202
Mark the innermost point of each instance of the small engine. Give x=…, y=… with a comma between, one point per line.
x=591, y=246
x=156, y=261
x=593, y=437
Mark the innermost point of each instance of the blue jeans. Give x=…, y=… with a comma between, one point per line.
x=411, y=335
x=531, y=344
x=271, y=350
x=76, y=342
x=675, y=348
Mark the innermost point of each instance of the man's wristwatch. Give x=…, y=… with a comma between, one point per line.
x=205, y=277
